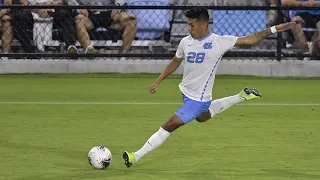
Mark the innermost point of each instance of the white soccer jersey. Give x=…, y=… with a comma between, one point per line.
x=201, y=59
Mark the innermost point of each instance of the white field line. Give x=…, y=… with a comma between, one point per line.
x=145, y=103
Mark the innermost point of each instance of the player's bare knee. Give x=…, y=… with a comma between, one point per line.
x=204, y=117
x=201, y=120
x=172, y=124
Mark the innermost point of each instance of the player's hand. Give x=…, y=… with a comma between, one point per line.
x=285, y=26
x=153, y=88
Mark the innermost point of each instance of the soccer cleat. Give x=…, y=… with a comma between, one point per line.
x=249, y=94
x=128, y=158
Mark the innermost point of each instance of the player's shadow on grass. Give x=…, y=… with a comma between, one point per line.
x=75, y=165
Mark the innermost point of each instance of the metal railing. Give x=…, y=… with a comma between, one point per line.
x=158, y=31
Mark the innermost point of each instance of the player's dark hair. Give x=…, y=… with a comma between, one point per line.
x=198, y=13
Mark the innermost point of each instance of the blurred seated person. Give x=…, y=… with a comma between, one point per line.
x=115, y=19
x=272, y=15
x=62, y=18
x=6, y=28
x=305, y=18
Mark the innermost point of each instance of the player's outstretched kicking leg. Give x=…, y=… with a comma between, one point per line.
x=201, y=111
x=219, y=105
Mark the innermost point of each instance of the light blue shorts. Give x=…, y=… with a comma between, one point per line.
x=191, y=109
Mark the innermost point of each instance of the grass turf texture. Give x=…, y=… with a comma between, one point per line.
x=51, y=141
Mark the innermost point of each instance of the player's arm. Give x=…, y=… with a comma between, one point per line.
x=172, y=66
x=261, y=35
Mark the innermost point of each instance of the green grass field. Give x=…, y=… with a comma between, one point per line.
x=50, y=141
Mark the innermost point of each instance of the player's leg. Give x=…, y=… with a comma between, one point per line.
x=220, y=105
x=186, y=113
x=154, y=141
x=126, y=22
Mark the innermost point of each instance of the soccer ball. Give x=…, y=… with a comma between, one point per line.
x=99, y=157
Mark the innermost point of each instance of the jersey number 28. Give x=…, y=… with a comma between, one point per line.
x=194, y=57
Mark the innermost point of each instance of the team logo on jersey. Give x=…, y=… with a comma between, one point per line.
x=207, y=46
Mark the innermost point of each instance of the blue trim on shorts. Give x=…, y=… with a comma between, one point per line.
x=191, y=109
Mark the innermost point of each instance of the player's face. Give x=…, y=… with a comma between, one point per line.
x=196, y=28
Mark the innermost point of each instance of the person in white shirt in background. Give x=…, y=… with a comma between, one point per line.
x=62, y=18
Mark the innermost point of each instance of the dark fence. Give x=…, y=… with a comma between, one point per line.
x=142, y=30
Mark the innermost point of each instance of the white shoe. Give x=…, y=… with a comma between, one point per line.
x=90, y=50
x=72, y=50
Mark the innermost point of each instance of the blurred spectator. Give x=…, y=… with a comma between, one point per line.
x=6, y=28
x=305, y=18
x=62, y=18
x=272, y=14
x=113, y=19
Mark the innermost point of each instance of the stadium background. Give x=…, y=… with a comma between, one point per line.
x=49, y=122
x=159, y=32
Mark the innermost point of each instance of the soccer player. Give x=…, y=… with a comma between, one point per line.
x=202, y=51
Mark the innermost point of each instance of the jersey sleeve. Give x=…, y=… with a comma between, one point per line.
x=180, y=50
x=226, y=42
